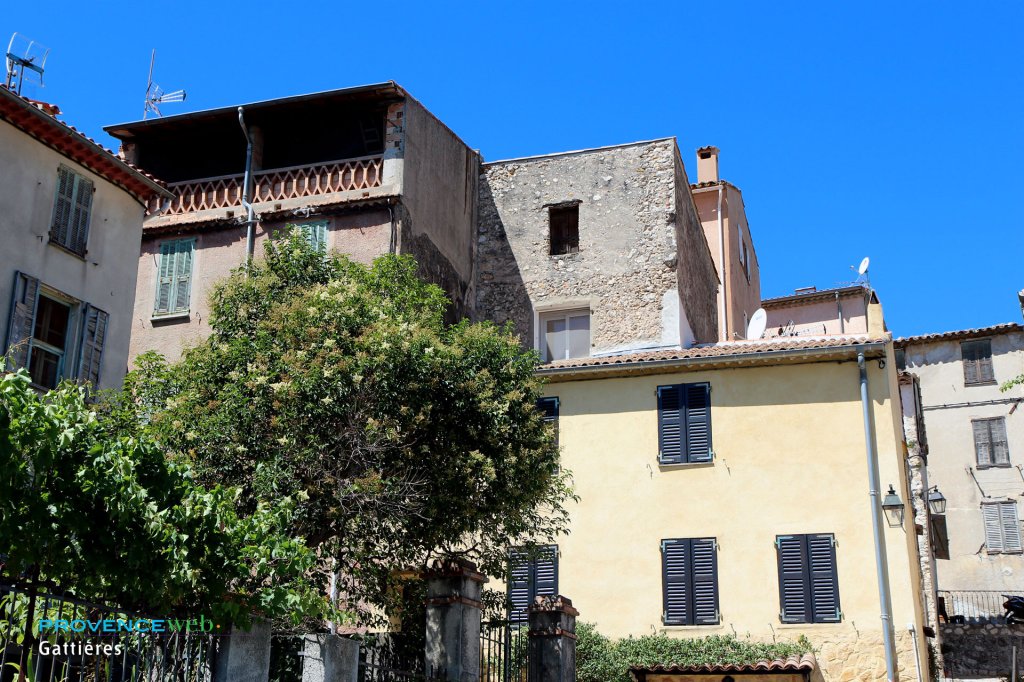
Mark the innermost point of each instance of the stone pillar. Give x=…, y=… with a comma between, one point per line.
x=244, y=655
x=552, y=640
x=453, y=621
x=330, y=658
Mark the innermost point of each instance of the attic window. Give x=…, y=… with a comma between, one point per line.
x=564, y=222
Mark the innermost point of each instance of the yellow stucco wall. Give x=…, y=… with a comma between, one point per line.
x=789, y=458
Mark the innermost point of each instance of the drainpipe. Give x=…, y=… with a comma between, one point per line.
x=881, y=565
x=839, y=310
x=250, y=227
x=917, y=651
x=721, y=259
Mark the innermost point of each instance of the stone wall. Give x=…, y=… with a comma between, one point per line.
x=698, y=280
x=626, y=267
x=981, y=650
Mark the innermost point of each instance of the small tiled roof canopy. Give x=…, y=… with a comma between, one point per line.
x=804, y=664
x=959, y=334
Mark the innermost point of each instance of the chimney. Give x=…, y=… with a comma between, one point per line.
x=707, y=164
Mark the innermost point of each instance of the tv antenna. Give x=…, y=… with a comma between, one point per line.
x=758, y=321
x=155, y=96
x=26, y=60
x=862, y=272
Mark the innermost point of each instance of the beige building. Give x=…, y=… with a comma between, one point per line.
x=364, y=171
x=724, y=489
x=723, y=216
x=973, y=438
x=71, y=221
x=825, y=312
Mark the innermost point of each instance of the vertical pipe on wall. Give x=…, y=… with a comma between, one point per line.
x=881, y=565
x=250, y=227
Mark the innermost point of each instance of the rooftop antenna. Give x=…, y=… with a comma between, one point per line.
x=26, y=60
x=155, y=96
x=862, y=272
x=758, y=321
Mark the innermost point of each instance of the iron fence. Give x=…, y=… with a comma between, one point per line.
x=393, y=657
x=68, y=656
x=972, y=606
x=504, y=651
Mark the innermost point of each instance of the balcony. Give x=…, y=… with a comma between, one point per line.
x=972, y=606
x=272, y=185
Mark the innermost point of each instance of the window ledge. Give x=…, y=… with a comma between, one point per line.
x=686, y=465
x=802, y=626
x=80, y=256
x=171, y=317
x=692, y=628
x=993, y=382
x=995, y=466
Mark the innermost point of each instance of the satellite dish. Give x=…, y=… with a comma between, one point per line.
x=25, y=61
x=864, y=266
x=758, y=321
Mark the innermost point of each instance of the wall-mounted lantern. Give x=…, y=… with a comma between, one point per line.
x=936, y=501
x=892, y=505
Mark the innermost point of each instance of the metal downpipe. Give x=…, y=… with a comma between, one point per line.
x=250, y=227
x=881, y=564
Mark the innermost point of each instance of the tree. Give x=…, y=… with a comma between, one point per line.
x=406, y=438
x=107, y=516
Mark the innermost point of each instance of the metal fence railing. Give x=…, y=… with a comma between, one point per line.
x=972, y=606
x=504, y=651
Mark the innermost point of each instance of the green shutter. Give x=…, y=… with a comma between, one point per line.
x=94, y=332
x=23, y=319
x=63, y=206
x=174, y=276
x=79, y=229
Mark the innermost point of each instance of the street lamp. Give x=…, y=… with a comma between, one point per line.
x=892, y=505
x=936, y=501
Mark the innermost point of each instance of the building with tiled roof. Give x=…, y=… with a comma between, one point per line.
x=71, y=215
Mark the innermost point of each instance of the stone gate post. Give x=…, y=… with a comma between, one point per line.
x=552, y=640
x=453, y=620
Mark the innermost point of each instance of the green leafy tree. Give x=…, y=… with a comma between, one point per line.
x=340, y=384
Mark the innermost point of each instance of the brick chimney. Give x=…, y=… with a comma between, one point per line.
x=707, y=164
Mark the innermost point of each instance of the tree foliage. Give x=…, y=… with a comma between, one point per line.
x=340, y=383
x=106, y=515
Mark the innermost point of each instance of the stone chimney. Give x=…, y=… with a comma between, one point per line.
x=707, y=164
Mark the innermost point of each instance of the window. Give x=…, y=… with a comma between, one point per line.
x=977, y=356
x=53, y=336
x=529, y=577
x=808, y=582
x=549, y=408
x=684, y=424
x=1002, y=529
x=689, y=579
x=71, y=207
x=566, y=335
x=315, y=234
x=990, y=442
x=564, y=224
x=174, y=277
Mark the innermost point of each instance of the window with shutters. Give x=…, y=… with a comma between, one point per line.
x=72, y=205
x=689, y=580
x=566, y=334
x=977, y=360
x=530, y=575
x=564, y=224
x=990, y=445
x=315, y=234
x=174, y=277
x=684, y=424
x=549, y=408
x=1002, y=527
x=808, y=582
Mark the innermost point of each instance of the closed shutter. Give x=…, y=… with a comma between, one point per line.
x=22, y=320
x=977, y=361
x=549, y=408
x=545, y=574
x=794, y=585
x=676, y=583
x=94, y=333
x=982, y=445
x=821, y=554
x=80, y=217
x=993, y=528
x=315, y=234
x=997, y=437
x=183, y=274
x=704, y=556
x=1010, y=526
x=670, y=425
x=518, y=586
x=529, y=578
x=63, y=206
x=174, y=276
x=698, y=422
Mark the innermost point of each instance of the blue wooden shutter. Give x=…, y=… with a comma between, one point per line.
x=518, y=585
x=698, y=422
x=670, y=425
x=22, y=321
x=794, y=587
x=676, y=582
x=79, y=230
x=821, y=555
x=704, y=562
x=94, y=333
x=545, y=573
x=63, y=206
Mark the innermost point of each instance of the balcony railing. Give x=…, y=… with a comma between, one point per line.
x=973, y=606
x=272, y=185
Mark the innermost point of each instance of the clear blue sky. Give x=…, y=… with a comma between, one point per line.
x=885, y=129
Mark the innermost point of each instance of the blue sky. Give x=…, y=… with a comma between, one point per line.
x=892, y=130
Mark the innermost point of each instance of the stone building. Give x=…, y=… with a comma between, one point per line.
x=364, y=171
x=71, y=221
x=596, y=251
x=723, y=216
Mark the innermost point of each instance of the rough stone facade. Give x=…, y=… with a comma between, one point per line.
x=641, y=247
x=981, y=651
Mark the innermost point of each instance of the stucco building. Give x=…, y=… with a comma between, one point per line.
x=972, y=434
x=596, y=251
x=724, y=489
x=823, y=312
x=71, y=220
x=364, y=171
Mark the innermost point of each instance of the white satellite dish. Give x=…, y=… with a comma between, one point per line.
x=758, y=321
x=864, y=266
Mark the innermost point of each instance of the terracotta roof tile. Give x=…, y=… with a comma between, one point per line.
x=1003, y=328
x=792, y=664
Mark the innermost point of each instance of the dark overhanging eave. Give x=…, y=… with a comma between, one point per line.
x=124, y=131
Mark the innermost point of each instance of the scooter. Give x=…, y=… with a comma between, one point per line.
x=1014, y=609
